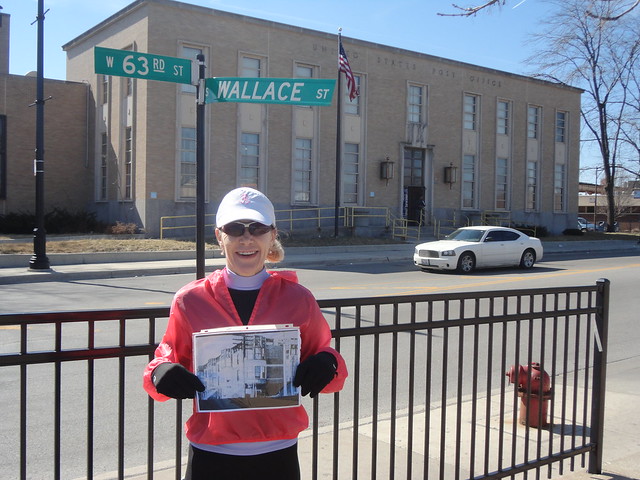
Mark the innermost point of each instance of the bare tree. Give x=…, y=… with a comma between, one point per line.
x=593, y=10
x=602, y=57
x=473, y=9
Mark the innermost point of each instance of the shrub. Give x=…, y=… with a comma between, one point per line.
x=573, y=231
x=17, y=222
x=121, y=228
x=63, y=221
x=533, y=230
x=58, y=221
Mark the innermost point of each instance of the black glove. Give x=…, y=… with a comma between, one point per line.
x=315, y=373
x=175, y=381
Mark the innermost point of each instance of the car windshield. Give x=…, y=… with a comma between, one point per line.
x=462, y=235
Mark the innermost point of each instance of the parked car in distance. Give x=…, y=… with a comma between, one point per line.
x=585, y=226
x=479, y=247
x=603, y=226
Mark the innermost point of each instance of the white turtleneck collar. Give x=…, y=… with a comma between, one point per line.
x=238, y=282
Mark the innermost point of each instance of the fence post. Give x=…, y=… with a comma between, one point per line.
x=599, y=374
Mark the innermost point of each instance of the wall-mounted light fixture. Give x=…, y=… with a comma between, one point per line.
x=450, y=175
x=386, y=170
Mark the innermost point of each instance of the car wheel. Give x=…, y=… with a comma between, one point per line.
x=466, y=263
x=528, y=259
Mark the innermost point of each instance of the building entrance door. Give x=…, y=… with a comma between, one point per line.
x=414, y=183
x=415, y=202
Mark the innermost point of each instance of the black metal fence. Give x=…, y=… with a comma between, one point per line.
x=427, y=395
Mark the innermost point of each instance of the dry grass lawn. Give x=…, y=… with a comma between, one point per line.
x=25, y=245
x=154, y=245
x=101, y=245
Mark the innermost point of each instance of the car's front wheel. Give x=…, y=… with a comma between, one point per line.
x=466, y=262
x=528, y=259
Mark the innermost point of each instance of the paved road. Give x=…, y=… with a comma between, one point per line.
x=396, y=278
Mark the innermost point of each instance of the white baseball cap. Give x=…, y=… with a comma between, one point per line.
x=245, y=203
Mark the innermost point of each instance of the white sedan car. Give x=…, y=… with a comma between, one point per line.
x=481, y=247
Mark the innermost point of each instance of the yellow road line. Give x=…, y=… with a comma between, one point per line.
x=426, y=289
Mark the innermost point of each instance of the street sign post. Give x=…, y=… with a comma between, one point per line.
x=124, y=63
x=285, y=91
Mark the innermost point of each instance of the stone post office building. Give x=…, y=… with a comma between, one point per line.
x=460, y=139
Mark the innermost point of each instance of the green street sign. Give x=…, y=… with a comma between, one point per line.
x=287, y=91
x=124, y=63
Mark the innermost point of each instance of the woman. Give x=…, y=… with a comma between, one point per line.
x=244, y=444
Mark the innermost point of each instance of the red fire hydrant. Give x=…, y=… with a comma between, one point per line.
x=534, y=394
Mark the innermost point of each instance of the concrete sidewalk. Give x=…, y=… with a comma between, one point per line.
x=621, y=443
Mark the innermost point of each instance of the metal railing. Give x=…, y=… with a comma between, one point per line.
x=427, y=395
x=405, y=229
x=291, y=220
x=184, y=223
x=498, y=218
x=444, y=226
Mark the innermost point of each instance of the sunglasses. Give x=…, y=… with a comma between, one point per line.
x=237, y=229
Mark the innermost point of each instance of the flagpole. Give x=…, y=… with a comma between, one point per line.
x=338, y=141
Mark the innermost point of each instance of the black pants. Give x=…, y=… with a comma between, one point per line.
x=279, y=465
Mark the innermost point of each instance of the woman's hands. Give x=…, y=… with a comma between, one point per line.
x=315, y=373
x=175, y=381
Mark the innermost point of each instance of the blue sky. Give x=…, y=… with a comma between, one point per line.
x=496, y=38
x=493, y=39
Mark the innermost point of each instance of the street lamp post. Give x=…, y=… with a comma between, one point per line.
x=39, y=260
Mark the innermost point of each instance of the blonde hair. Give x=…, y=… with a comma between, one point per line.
x=276, y=252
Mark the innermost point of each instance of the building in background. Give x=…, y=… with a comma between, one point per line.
x=68, y=149
x=427, y=135
x=593, y=205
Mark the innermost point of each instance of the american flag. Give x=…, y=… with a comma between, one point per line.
x=343, y=66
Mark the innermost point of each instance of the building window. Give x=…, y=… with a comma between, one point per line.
x=304, y=71
x=3, y=156
x=413, y=167
x=103, y=181
x=128, y=164
x=558, y=188
x=503, y=115
x=416, y=104
x=353, y=106
x=350, y=173
x=250, y=67
x=561, y=126
x=532, y=186
x=469, y=181
x=190, y=53
x=302, y=171
x=187, y=188
x=533, y=122
x=470, y=112
x=250, y=160
x=105, y=89
x=502, y=184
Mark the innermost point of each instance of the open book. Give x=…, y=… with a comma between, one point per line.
x=247, y=367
